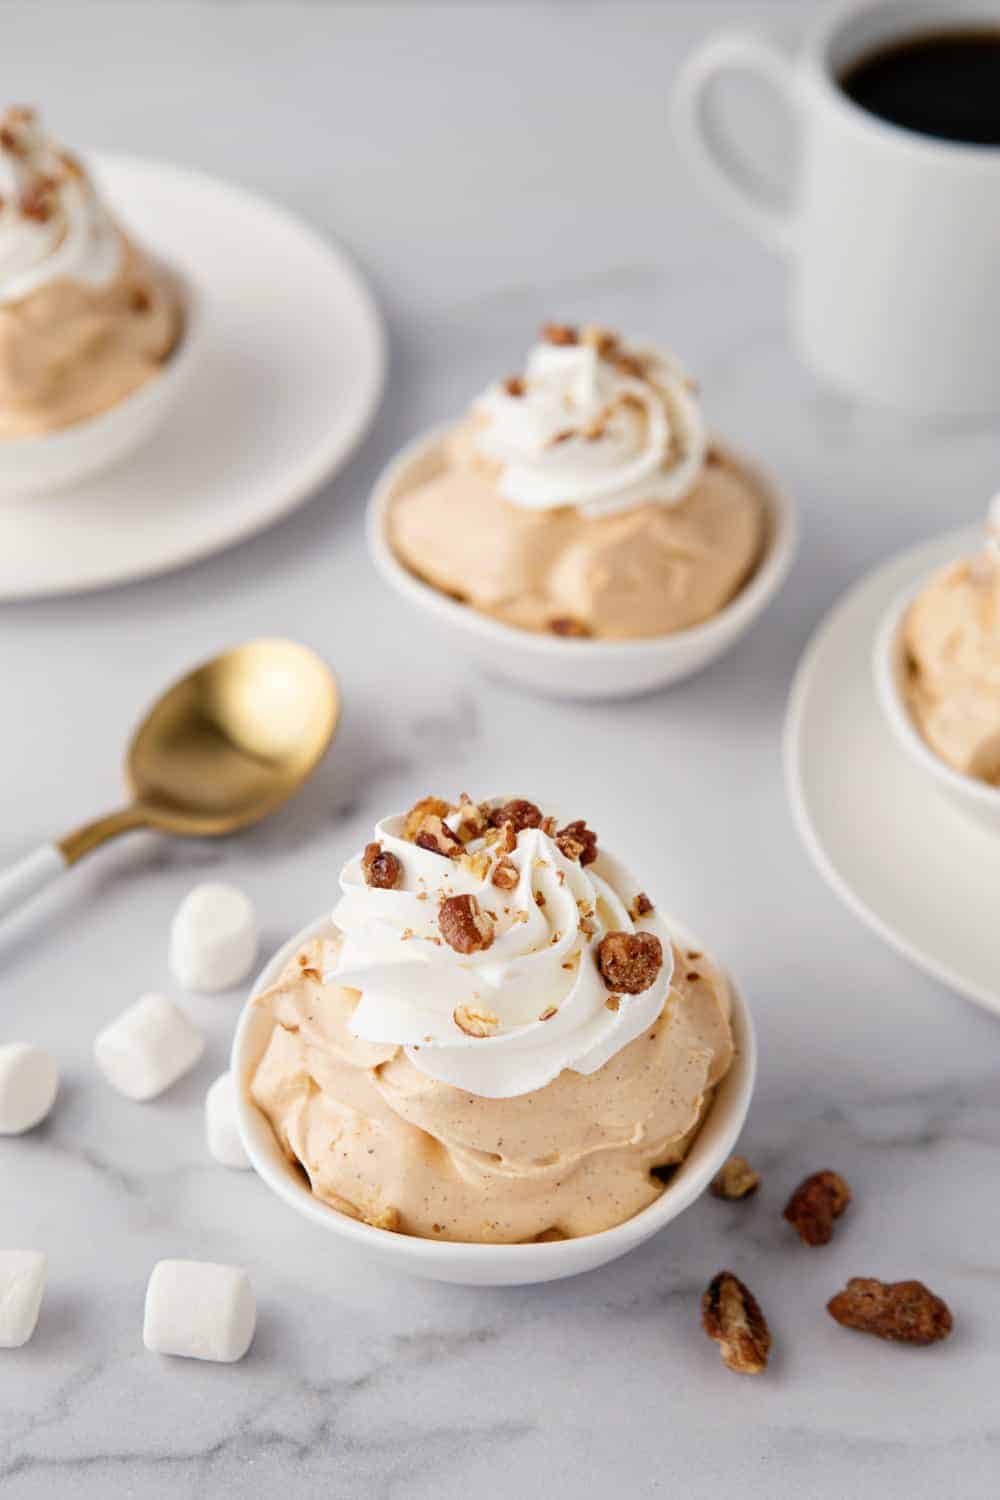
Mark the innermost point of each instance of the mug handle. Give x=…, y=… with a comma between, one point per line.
x=727, y=173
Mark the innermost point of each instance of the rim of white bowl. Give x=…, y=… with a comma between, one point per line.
x=887, y=657
x=172, y=371
x=760, y=588
x=735, y=1093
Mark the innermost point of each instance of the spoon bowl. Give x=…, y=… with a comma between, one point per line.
x=220, y=750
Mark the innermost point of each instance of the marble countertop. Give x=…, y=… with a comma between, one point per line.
x=490, y=166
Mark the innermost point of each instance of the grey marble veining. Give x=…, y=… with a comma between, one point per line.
x=490, y=166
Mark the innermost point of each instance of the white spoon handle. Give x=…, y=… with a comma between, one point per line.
x=29, y=875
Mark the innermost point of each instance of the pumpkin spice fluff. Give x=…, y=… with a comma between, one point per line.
x=86, y=316
x=584, y=498
x=500, y=1042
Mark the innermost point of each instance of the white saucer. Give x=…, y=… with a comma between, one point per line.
x=288, y=379
x=906, y=861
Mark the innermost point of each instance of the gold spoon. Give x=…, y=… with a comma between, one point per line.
x=221, y=749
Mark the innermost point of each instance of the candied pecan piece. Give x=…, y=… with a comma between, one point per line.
x=567, y=626
x=427, y=807
x=514, y=385
x=601, y=339
x=519, y=813
x=469, y=820
x=505, y=876
x=475, y=1021
x=904, y=1312
x=731, y=1315
x=464, y=925
x=815, y=1204
x=641, y=907
x=380, y=868
x=577, y=841
x=736, y=1179
x=438, y=837
x=559, y=333
x=629, y=961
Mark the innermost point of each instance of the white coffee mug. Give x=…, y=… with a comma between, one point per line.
x=893, y=236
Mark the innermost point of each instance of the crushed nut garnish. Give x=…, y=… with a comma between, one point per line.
x=559, y=333
x=641, y=907
x=577, y=841
x=601, y=339
x=477, y=864
x=438, y=837
x=464, y=926
x=904, y=1312
x=539, y=898
x=613, y=1002
x=380, y=868
x=519, y=813
x=505, y=876
x=548, y=1013
x=514, y=385
x=475, y=1022
x=731, y=1315
x=629, y=961
x=815, y=1204
x=469, y=820
x=426, y=808
x=565, y=626
x=737, y=1179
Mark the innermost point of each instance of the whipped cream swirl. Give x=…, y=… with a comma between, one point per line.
x=593, y=425
x=542, y=962
x=53, y=225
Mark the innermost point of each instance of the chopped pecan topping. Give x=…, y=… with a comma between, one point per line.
x=629, y=961
x=731, y=1315
x=468, y=820
x=519, y=813
x=549, y=827
x=539, y=898
x=815, y=1204
x=380, y=868
x=736, y=1179
x=630, y=364
x=505, y=876
x=564, y=625
x=613, y=1002
x=514, y=385
x=601, y=339
x=464, y=925
x=577, y=841
x=641, y=907
x=564, y=435
x=438, y=837
x=475, y=1022
x=905, y=1312
x=560, y=333
x=548, y=1013
x=477, y=864
x=427, y=807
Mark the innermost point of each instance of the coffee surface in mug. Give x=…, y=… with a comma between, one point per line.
x=941, y=83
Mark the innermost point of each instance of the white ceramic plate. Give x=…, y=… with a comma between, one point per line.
x=288, y=378
x=904, y=859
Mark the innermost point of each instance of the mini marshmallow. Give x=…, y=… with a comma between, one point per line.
x=220, y=1124
x=29, y=1082
x=148, y=1048
x=22, y=1283
x=199, y=1310
x=213, y=938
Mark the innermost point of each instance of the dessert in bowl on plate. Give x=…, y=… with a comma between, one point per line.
x=497, y=1047
x=579, y=526
x=937, y=667
x=90, y=323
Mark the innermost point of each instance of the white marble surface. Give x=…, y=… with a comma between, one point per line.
x=490, y=166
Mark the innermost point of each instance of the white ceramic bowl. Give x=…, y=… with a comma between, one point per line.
x=975, y=799
x=574, y=668
x=57, y=460
x=489, y=1265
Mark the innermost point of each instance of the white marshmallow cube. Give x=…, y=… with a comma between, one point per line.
x=199, y=1310
x=148, y=1048
x=29, y=1082
x=221, y=1130
x=22, y=1283
x=213, y=938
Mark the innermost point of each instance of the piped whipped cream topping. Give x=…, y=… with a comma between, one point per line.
x=52, y=222
x=508, y=1018
x=593, y=424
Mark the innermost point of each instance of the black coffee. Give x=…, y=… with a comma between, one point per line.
x=943, y=83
